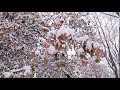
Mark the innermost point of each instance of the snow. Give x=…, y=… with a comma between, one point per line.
x=102, y=48
x=50, y=23
x=68, y=19
x=80, y=51
x=62, y=19
x=63, y=45
x=66, y=30
x=103, y=61
x=77, y=39
x=51, y=13
x=55, y=16
x=84, y=38
x=16, y=66
x=32, y=28
x=60, y=31
x=96, y=44
x=77, y=72
x=37, y=52
x=71, y=52
x=89, y=45
x=50, y=33
x=41, y=39
x=84, y=18
x=38, y=44
x=7, y=74
x=27, y=70
x=35, y=75
x=39, y=47
x=16, y=70
x=88, y=56
x=51, y=50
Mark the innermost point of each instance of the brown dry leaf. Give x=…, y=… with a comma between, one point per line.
x=1, y=37
x=45, y=29
x=32, y=54
x=46, y=45
x=84, y=62
x=83, y=56
x=14, y=44
x=97, y=60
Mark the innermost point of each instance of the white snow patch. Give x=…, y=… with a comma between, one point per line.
x=84, y=18
x=77, y=72
x=51, y=14
x=88, y=55
x=27, y=70
x=16, y=70
x=39, y=47
x=80, y=51
x=50, y=23
x=41, y=39
x=37, y=52
x=73, y=51
x=96, y=44
x=7, y=74
x=69, y=53
x=66, y=30
x=61, y=19
x=50, y=33
x=46, y=28
x=77, y=39
x=51, y=50
x=89, y=45
x=38, y=44
x=63, y=45
x=84, y=38
x=103, y=61
x=35, y=75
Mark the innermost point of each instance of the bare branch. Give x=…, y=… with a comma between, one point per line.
x=110, y=54
x=109, y=14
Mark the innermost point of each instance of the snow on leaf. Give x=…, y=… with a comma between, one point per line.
x=80, y=51
x=88, y=55
x=65, y=30
x=77, y=39
x=73, y=51
x=51, y=33
x=96, y=44
x=51, y=50
x=89, y=45
x=83, y=39
x=69, y=53
x=37, y=52
x=103, y=61
x=35, y=75
x=27, y=70
x=41, y=39
x=7, y=74
x=16, y=70
x=60, y=31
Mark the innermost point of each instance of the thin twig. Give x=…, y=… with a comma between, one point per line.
x=110, y=15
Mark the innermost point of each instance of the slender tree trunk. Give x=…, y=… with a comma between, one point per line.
x=118, y=13
x=114, y=67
